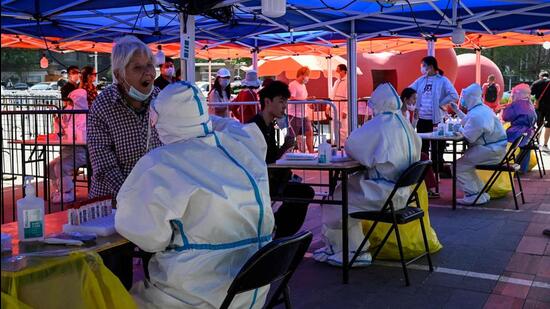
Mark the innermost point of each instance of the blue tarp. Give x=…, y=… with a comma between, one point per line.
x=102, y=21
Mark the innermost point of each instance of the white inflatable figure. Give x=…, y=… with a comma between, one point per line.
x=487, y=138
x=386, y=145
x=200, y=203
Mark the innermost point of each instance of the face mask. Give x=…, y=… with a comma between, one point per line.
x=411, y=107
x=224, y=82
x=306, y=80
x=423, y=70
x=138, y=95
x=95, y=83
x=64, y=76
x=74, y=78
x=170, y=71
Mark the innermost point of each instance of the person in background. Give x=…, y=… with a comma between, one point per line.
x=202, y=219
x=522, y=117
x=299, y=122
x=167, y=74
x=72, y=84
x=490, y=93
x=220, y=93
x=62, y=80
x=250, y=84
x=487, y=143
x=87, y=83
x=434, y=92
x=178, y=74
x=61, y=168
x=541, y=90
x=408, y=98
x=290, y=217
x=386, y=145
x=339, y=94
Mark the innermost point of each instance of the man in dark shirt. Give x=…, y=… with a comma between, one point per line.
x=167, y=74
x=72, y=84
x=290, y=217
x=541, y=90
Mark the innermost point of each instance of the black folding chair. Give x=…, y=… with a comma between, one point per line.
x=275, y=262
x=414, y=175
x=534, y=145
x=508, y=165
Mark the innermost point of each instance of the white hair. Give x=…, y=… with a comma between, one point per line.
x=123, y=50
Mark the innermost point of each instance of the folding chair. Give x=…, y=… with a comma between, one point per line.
x=534, y=145
x=506, y=165
x=275, y=262
x=412, y=176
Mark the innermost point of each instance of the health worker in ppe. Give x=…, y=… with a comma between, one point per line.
x=487, y=138
x=200, y=203
x=386, y=145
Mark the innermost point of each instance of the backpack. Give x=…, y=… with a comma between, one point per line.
x=491, y=93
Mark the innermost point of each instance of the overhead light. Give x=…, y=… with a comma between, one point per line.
x=273, y=8
x=546, y=45
x=44, y=63
x=458, y=35
x=159, y=57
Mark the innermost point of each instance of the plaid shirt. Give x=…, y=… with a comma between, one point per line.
x=117, y=139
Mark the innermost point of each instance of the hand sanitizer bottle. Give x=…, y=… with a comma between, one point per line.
x=30, y=214
x=325, y=151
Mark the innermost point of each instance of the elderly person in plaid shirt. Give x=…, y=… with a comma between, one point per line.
x=118, y=123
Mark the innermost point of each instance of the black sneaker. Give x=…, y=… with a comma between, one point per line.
x=546, y=232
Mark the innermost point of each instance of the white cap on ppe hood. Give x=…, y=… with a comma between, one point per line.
x=384, y=99
x=471, y=96
x=80, y=98
x=181, y=113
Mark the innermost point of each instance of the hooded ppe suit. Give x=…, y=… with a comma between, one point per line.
x=487, y=138
x=386, y=146
x=200, y=203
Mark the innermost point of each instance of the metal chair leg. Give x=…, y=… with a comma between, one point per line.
x=286, y=295
x=538, y=163
x=426, y=245
x=513, y=190
x=358, y=252
x=403, y=264
x=520, y=188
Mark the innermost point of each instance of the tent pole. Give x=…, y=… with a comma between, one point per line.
x=329, y=76
x=209, y=80
x=187, y=47
x=255, y=56
x=478, y=65
x=352, y=76
x=431, y=46
x=95, y=66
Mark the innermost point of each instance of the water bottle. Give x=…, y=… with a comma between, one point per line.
x=325, y=151
x=30, y=214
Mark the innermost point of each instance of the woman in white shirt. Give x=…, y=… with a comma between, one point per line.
x=220, y=93
x=434, y=92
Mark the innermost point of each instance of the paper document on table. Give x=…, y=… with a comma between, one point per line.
x=298, y=156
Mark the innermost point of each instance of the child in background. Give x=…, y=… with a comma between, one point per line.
x=72, y=128
x=410, y=112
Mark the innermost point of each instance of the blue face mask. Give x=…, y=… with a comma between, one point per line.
x=138, y=95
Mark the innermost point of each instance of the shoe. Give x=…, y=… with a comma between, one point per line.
x=546, y=232
x=362, y=260
x=68, y=197
x=469, y=200
x=545, y=148
x=433, y=194
x=322, y=254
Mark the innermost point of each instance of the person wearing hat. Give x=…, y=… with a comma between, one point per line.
x=167, y=74
x=220, y=93
x=248, y=94
x=62, y=80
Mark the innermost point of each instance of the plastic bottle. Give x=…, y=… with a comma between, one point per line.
x=325, y=151
x=30, y=214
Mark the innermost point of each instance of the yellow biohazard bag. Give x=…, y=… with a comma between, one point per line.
x=79, y=280
x=411, y=234
x=502, y=186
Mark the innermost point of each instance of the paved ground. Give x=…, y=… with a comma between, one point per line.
x=493, y=257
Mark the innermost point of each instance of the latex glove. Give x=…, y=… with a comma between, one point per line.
x=457, y=110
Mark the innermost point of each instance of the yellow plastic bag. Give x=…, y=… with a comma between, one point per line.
x=411, y=234
x=502, y=185
x=79, y=280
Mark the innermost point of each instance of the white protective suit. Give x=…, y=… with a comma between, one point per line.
x=386, y=145
x=487, y=138
x=200, y=203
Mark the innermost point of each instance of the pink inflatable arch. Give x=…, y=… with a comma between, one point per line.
x=467, y=72
x=399, y=69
